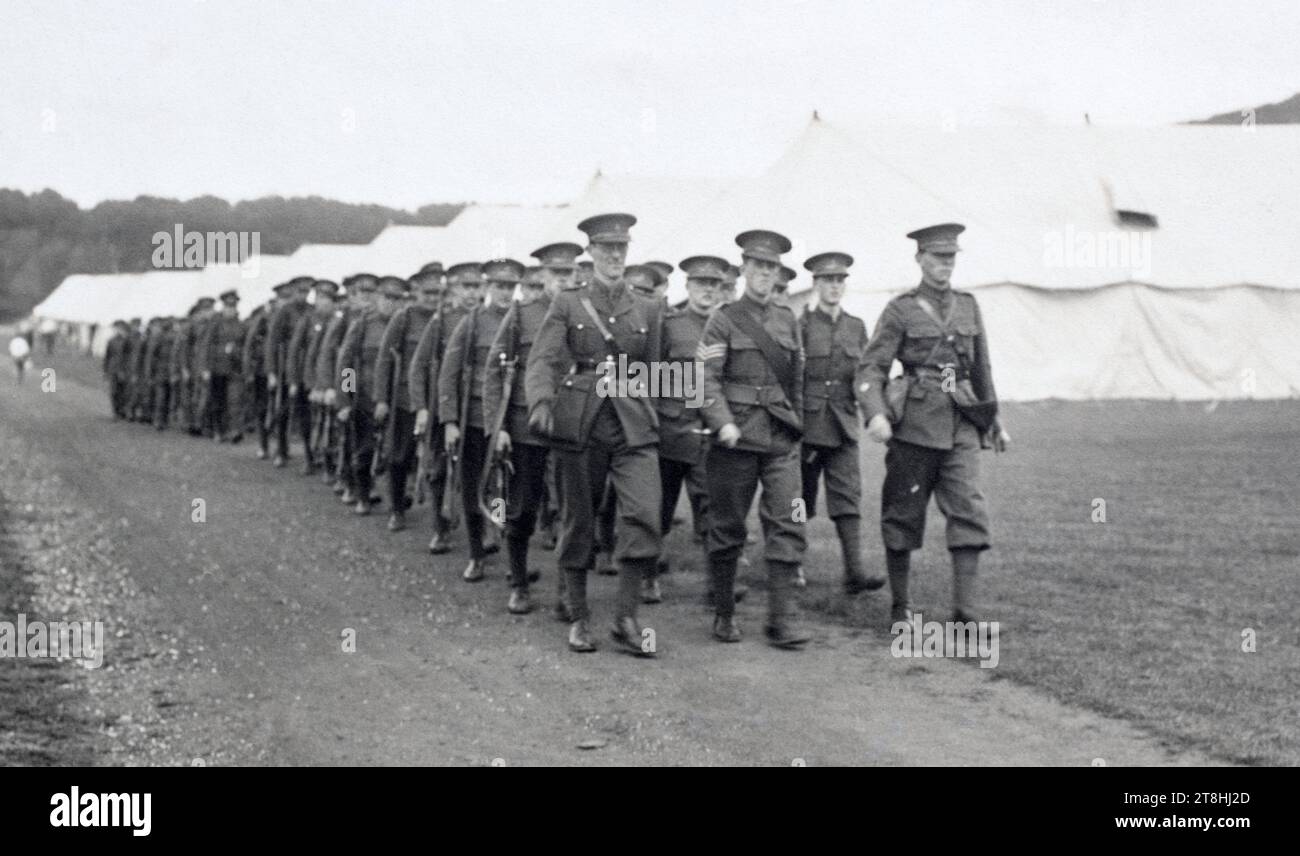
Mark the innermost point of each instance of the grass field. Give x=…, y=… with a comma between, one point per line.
x=1141, y=616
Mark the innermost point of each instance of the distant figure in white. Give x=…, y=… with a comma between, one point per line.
x=19, y=349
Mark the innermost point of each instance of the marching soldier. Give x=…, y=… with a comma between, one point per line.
x=753, y=401
x=291, y=305
x=936, y=427
x=585, y=334
x=304, y=348
x=683, y=436
x=158, y=370
x=139, y=341
x=392, y=383
x=357, y=358
x=527, y=450
x=220, y=373
x=196, y=406
x=460, y=399
x=153, y=341
x=665, y=271
x=253, y=360
x=834, y=342
x=116, y=370
x=464, y=291
x=361, y=295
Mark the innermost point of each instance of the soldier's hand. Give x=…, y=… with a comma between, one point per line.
x=1001, y=439
x=330, y=396
x=450, y=437
x=344, y=413
x=314, y=396
x=503, y=443
x=207, y=376
x=541, y=420
x=272, y=382
x=729, y=435
x=293, y=389
x=421, y=422
x=878, y=429
x=381, y=411
x=185, y=374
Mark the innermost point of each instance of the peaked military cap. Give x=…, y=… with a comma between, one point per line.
x=608, y=228
x=205, y=303
x=705, y=267
x=283, y=287
x=503, y=271
x=785, y=275
x=326, y=287
x=465, y=270
x=763, y=244
x=663, y=268
x=938, y=239
x=365, y=283
x=230, y=298
x=559, y=255
x=432, y=268
x=303, y=283
x=829, y=264
x=394, y=286
x=643, y=279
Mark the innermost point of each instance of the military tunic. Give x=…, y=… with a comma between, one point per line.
x=358, y=355
x=834, y=349
x=279, y=334
x=423, y=388
x=683, y=445
x=254, y=365
x=459, y=378
x=934, y=448
x=219, y=353
x=392, y=385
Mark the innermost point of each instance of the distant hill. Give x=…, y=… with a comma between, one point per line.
x=44, y=237
x=1282, y=113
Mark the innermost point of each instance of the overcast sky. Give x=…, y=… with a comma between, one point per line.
x=406, y=103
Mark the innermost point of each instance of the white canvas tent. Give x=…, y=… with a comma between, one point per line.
x=1078, y=306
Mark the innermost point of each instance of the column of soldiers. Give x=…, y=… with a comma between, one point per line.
x=514, y=411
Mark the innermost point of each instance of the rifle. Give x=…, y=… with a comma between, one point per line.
x=386, y=437
x=421, y=471
x=499, y=468
x=454, y=476
x=320, y=421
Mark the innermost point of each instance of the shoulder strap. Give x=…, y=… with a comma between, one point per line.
x=944, y=330
x=585, y=300
x=776, y=356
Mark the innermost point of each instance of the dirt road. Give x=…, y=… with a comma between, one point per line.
x=225, y=637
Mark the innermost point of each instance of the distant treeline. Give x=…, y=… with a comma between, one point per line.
x=44, y=237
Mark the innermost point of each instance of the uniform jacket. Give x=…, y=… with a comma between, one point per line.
x=570, y=350
x=157, y=352
x=193, y=337
x=834, y=367
x=422, y=376
x=303, y=345
x=254, y=356
x=279, y=331
x=359, y=353
x=327, y=352
x=176, y=356
x=739, y=384
x=906, y=333
x=681, y=426
x=221, y=347
x=402, y=337
x=462, y=366
x=514, y=339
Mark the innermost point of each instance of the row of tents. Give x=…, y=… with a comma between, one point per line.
x=1153, y=262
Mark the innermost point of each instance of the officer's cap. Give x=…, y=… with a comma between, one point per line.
x=608, y=228
x=365, y=283
x=663, y=267
x=937, y=239
x=730, y=277
x=705, y=267
x=642, y=279
x=205, y=303
x=785, y=275
x=283, y=288
x=427, y=281
x=230, y=298
x=465, y=271
x=394, y=286
x=503, y=271
x=303, y=283
x=558, y=256
x=326, y=287
x=432, y=268
x=829, y=264
x=763, y=244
